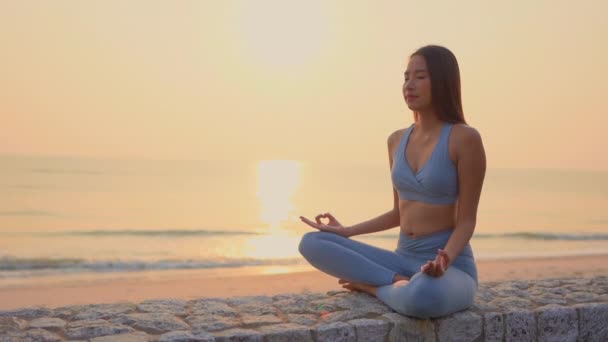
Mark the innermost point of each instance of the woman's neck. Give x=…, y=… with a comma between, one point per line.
x=427, y=121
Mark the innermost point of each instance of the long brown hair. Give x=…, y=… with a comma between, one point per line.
x=445, y=82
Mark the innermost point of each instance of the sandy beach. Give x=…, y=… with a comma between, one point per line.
x=192, y=284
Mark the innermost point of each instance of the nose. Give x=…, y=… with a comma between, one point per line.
x=409, y=84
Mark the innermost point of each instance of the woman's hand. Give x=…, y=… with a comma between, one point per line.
x=437, y=267
x=333, y=226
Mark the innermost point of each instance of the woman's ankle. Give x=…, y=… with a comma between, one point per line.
x=399, y=277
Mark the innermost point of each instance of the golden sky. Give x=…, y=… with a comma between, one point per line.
x=305, y=80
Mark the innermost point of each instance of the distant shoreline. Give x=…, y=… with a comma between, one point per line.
x=380, y=162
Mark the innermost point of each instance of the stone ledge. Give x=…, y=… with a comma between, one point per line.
x=566, y=309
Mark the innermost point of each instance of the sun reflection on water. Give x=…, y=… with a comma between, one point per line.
x=277, y=181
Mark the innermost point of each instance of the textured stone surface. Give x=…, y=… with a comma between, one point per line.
x=345, y=315
x=67, y=312
x=302, y=319
x=238, y=334
x=38, y=335
x=154, y=323
x=360, y=302
x=252, y=320
x=545, y=310
x=494, y=327
x=213, y=323
x=95, y=328
x=172, y=306
x=96, y=311
x=520, y=326
x=336, y=332
x=593, y=322
x=461, y=326
x=558, y=324
x=131, y=337
x=405, y=328
x=33, y=312
x=253, y=306
x=186, y=336
x=48, y=323
x=8, y=324
x=212, y=307
x=288, y=332
x=370, y=329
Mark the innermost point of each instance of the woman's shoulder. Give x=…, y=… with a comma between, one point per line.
x=465, y=140
x=464, y=133
x=396, y=135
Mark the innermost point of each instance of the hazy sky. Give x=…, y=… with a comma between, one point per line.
x=309, y=80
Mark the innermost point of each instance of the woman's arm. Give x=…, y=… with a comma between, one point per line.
x=388, y=220
x=471, y=164
x=391, y=218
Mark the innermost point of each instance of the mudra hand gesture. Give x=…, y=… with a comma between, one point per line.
x=437, y=267
x=333, y=226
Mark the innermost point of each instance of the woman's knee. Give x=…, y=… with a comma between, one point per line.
x=424, y=299
x=427, y=306
x=309, y=242
x=434, y=297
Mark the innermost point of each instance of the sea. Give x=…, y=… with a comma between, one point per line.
x=65, y=218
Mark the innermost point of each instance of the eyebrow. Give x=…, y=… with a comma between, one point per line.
x=417, y=70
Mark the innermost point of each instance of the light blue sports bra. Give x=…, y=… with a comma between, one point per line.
x=437, y=180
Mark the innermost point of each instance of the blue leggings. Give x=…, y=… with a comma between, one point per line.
x=423, y=296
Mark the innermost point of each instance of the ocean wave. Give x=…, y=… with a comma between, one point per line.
x=545, y=236
x=11, y=266
x=527, y=236
x=135, y=232
x=178, y=233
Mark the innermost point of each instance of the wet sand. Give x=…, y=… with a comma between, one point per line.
x=191, y=284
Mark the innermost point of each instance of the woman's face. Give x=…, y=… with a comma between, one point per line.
x=417, y=85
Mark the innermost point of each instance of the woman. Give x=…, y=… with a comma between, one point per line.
x=437, y=168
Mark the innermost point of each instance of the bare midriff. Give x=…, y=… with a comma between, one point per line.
x=418, y=219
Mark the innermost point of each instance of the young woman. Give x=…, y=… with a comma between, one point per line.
x=437, y=169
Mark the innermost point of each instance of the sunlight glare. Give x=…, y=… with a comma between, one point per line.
x=273, y=246
x=280, y=32
x=277, y=180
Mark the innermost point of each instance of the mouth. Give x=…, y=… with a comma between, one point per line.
x=410, y=97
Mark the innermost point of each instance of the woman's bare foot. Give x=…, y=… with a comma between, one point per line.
x=358, y=287
x=399, y=277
